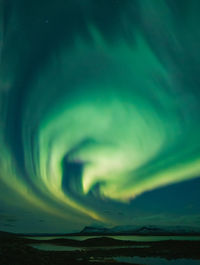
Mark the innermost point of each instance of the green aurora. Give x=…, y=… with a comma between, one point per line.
x=99, y=102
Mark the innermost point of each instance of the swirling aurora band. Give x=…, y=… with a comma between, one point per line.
x=95, y=111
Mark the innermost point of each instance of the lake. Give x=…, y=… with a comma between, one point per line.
x=52, y=247
x=130, y=238
x=157, y=261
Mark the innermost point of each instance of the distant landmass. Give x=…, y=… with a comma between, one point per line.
x=149, y=230
x=141, y=230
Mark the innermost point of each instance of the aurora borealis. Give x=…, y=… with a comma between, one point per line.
x=99, y=107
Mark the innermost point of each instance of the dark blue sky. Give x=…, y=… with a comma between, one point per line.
x=99, y=114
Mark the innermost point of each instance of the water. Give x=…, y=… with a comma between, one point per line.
x=131, y=238
x=157, y=261
x=155, y=238
x=51, y=247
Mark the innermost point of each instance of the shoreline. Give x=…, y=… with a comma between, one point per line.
x=17, y=251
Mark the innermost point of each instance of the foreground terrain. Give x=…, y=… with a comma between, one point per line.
x=18, y=251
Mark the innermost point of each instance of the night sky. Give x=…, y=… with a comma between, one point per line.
x=99, y=114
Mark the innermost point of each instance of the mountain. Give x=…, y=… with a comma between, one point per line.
x=90, y=229
x=141, y=230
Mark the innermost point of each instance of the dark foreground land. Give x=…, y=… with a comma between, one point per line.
x=17, y=251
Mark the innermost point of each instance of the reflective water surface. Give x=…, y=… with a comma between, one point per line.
x=157, y=261
x=51, y=247
x=130, y=238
